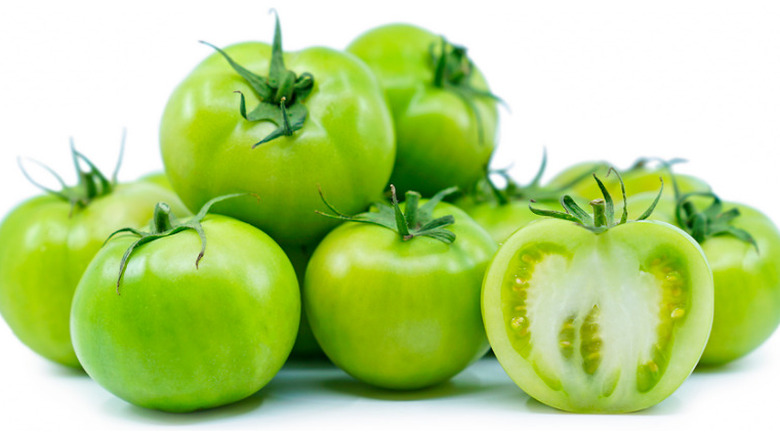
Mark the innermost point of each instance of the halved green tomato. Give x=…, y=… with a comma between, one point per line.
x=609, y=322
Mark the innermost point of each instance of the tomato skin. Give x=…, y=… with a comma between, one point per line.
x=636, y=181
x=180, y=338
x=633, y=239
x=399, y=314
x=346, y=145
x=501, y=221
x=438, y=139
x=747, y=282
x=159, y=178
x=44, y=251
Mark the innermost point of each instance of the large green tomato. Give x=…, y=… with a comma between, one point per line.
x=399, y=310
x=46, y=244
x=445, y=117
x=747, y=279
x=327, y=127
x=640, y=178
x=599, y=316
x=179, y=337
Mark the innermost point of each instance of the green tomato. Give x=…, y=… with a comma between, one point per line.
x=159, y=178
x=340, y=138
x=399, y=312
x=46, y=244
x=179, y=337
x=638, y=179
x=502, y=220
x=607, y=321
x=445, y=117
x=747, y=280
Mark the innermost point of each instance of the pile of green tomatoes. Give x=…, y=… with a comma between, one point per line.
x=341, y=203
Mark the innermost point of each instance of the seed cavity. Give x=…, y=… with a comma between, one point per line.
x=566, y=337
x=590, y=341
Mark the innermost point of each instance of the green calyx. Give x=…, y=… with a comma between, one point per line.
x=281, y=93
x=709, y=222
x=413, y=221
x=486, y=191
x=453, y=71
x=706, y=223
x=603, y=217
x=92, y=183
x=163, y=224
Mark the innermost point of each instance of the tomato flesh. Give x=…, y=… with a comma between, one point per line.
x=598, y=323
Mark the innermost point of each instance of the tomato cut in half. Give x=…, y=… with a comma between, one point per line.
x=598, y=322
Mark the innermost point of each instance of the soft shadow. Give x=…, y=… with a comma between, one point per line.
x=308, y=363
x=349, y=386
x=741, y=365
x=66, y=372
x=667, y=407
x=151, y=416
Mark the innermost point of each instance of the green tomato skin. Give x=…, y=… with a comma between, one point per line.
x=159, y=178
x=346, y=145
x=179, y=338
x=747, y=282
x=622, y=245
x=399, y=314
x=636, y=181
x=437, y=133
x=44, y=250
x=500, y=221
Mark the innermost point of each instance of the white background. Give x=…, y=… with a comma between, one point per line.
x=588, y=80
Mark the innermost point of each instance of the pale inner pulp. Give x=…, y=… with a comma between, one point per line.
x=598, y=324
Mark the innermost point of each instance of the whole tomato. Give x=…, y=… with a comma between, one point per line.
x=47, y=242
x=445, y=116
x=393, y=296
x=186, y=314
x=252, y=118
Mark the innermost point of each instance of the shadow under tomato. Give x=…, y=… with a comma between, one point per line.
x=66, y=372
x=667, y=407
x=348, y=386
x=316, y=362
x=741, y=365
x=153, y=416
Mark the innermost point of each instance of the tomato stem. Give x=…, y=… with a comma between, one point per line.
x=603, y=217
x=164, y=224
x=486, y=191
x=599, y=213
x=412, y=222
x=280, y=94
x=91, y=183
x=453, y=70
